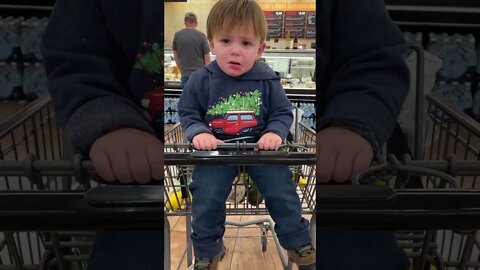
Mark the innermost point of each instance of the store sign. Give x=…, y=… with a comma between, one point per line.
x=274, y=23
x=300, y=24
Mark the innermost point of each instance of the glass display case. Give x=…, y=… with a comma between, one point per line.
x=296, y=68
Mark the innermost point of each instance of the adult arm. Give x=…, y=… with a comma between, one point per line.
x=206, y=58
x=176, y=58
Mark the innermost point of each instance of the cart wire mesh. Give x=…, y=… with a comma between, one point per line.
x=448, y=133
x=33, y=133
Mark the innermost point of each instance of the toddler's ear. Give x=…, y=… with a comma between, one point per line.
x=210, y=43
x=260, y=50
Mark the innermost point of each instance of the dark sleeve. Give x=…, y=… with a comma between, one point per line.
x=280, y=114
x=190, y=110
x=368, y=79
x=87, y=76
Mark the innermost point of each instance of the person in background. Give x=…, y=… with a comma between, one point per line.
x=102, y=60
x=190, y=48
x=361, y=85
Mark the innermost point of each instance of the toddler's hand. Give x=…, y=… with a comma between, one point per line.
x=205, y=141
x=269, y=141
x=128, y=155
x=341, y=154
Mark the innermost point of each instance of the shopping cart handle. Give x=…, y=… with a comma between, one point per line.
x=64, y=211
x=379, y=207
x=236, y=153
x=126, y=195
x=240, y=157
x=343, y=194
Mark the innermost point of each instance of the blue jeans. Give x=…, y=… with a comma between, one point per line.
x=127, y=250
x=183, y=81
x=210, y=188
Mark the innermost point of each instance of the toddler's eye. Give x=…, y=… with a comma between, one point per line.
x=224, y=41
x=246, y=43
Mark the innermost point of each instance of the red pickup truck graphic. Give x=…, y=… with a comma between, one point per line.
x=234, y=122
x=152, y=102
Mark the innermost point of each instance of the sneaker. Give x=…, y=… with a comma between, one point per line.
x=304, y=257
x=206, y=263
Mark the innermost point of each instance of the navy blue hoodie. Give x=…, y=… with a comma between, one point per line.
x=230, y=107
x=102, y=58
x=362, y=79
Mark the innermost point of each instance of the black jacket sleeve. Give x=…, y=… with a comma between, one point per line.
x=366, y=79
x=87, y=74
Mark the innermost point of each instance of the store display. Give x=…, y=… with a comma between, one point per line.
x=459, y=66
x=457, y=53
x=34, y=81
x=22, y=75
x=31, y=34
x=459, y=95
x=9, y=38
x=10, y=81
x=300, y=64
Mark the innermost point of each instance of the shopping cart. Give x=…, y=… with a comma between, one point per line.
x=432, y=201
x=244, y=199
x=51, y=201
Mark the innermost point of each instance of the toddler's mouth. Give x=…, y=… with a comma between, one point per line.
x=234, y=63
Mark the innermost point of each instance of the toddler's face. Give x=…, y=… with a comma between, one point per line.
x=237, y=49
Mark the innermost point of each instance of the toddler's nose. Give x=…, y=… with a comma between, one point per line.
x=235, y=50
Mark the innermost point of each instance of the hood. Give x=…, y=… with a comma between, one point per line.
x=259, y=71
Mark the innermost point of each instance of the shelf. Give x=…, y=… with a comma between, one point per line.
x=26, y=8
x=435, y=13
x=309, y=67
